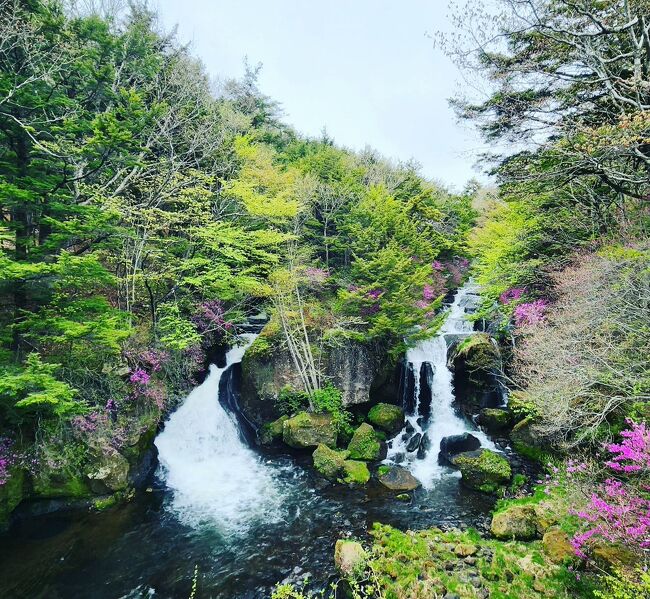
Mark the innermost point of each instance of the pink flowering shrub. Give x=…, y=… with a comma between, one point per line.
x=633, y=453
x=210, y=319
x=530, y=313
x=511, y=295
x=140, y=377
x=154, y=359
x=617, y=510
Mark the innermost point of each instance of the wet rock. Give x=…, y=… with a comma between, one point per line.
x=112, y=472
x=495, y=419
x=364, y=444
x=414, y=443
x=355, y=473
x=455, y=444
x=349, y=556
x=483, y=470
x=403, y=497
x=409, y=428
x=425, y=445
x=309, y=430
x=329, y=462
x=387, y=416
x=396, y=478
x=272, y=431
x=515, y=522
x=557, y=546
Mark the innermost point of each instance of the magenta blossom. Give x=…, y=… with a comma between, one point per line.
x=437, y=265
x=140, y=377
x=429, y=292
x=316, y=275
x=530, y=313
x=511, y=295
x=633, y=454
x=422, y=304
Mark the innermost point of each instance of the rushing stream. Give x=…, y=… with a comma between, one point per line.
x=430, y=411
x=244, y=520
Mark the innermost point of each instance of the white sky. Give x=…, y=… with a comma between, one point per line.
x=364, y=69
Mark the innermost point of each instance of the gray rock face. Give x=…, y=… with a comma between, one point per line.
x=361, y=372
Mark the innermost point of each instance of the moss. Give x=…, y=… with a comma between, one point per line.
x=355, y=472
x=432, y=563
x=364, y=444
x=50, y=485
x=383, y=470
x=309, y=430
x=483, y=470
x=387, y=416
x=272, y=431
x=495, y=419
x=103, y=503
x=329, y=462
x=11, y=494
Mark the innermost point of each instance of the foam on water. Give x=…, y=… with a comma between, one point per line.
x=214, y=477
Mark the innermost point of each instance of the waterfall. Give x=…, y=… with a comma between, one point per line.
x=214, y=477
x=429, y=358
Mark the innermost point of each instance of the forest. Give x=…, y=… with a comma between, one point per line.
x=151, y=219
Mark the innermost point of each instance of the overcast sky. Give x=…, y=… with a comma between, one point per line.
x=364, y=69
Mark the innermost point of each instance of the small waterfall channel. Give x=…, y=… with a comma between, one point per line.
x=429, y=397
x=214, y=477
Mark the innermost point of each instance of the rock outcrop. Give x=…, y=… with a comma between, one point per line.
x=515, y=522
x=455, y=444
x=349, y=556
x=362, y=372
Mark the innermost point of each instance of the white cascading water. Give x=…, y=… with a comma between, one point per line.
x=214, y=477
x=443, y=421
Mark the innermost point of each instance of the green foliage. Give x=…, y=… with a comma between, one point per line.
x=291, y=401
x=329, y=399
x=624, y=585
x=33, y=390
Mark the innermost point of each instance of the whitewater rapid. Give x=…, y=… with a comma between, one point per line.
x=444, y=420
x=215, y=479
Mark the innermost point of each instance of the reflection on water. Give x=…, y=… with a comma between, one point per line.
x=141, y=549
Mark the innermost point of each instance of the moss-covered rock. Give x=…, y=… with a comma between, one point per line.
x=12, y=493
x=53, y=484
x=309, y=430
x=272, y=431
x=495, y=419
x=396, y=478
x=329, y=462
x=526, y=440
x=557, y=546
x=515, y=522
x=609, y=555
x=110, y=474
x=364, y=444
x=349, y=557
x=355, y=472
x=387, y=416
x=483, y=470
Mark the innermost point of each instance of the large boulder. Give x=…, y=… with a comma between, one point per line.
x=476, y=362
x=525, y=439
x=483, y=470
x=364, y=444
x=397, y=478
x=362, y=372
x=309, y=430
x=329, y=462
x=495, y=419
x=349, y=557
x=515, y=522
x=387, y=417
x=455, y=444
